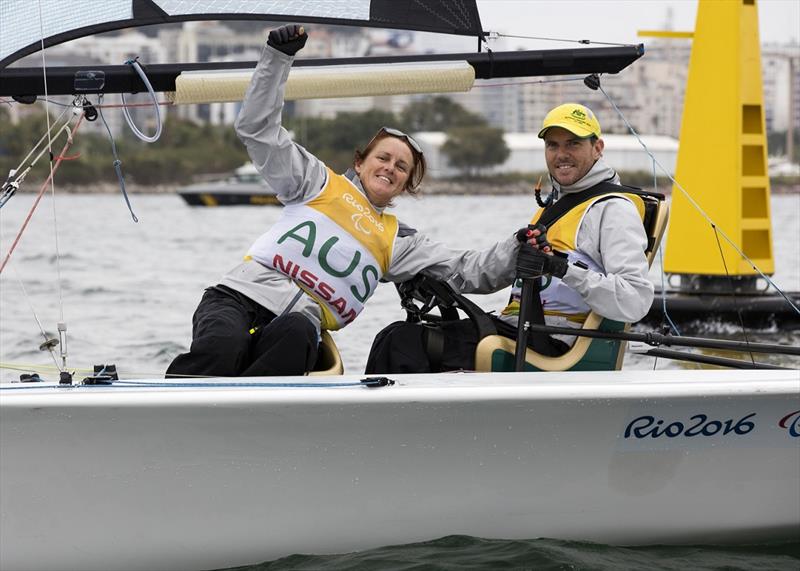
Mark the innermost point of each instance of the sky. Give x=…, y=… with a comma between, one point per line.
x=619, y=20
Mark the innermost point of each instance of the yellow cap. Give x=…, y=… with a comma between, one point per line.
x=573, y=117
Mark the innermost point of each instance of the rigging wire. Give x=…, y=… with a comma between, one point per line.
x=62, y=327
x=571, y=41
x=129, y=105
x=664, y=312
x=17, y=176
x=661, y=264
x=46, y=345
x=62, y=156
x=27, y=367
x=733, y=289
x=117, y=162
x=104, y=106
x=122, y=384
x=695, y=205
x=532, y=82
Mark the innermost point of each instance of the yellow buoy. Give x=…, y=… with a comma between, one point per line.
x=722, y=159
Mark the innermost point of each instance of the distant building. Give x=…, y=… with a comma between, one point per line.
x=649, y=93
x=622, y=152
x=781, y=71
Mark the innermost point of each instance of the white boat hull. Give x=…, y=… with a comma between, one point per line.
x=202, y=478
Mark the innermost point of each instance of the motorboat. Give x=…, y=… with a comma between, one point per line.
x=245, y=187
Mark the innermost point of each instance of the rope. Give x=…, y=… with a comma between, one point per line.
x=167, y=385
x=105, y=106
x=35, y=316
x=41, y=192
x=697, y=206
x=134, y=63
x=672, y=325
x=27, y=367
x=733, y=291
x=51, y=180
x=233, y=384
x=32, y=367
x=532, y=82
x=15, y=177
x=129, y=105
x=117, y=162
x=571, y=41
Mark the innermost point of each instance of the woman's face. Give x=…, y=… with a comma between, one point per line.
x=385, y=171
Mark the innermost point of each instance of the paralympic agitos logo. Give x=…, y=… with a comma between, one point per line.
x=361, y=214
x=791, y=422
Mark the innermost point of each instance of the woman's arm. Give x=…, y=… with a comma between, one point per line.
x=291, y=171
x=468, y=271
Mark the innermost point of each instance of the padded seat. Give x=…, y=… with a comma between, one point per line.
x=329, y=362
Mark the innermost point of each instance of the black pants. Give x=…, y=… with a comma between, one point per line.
x=223, y=345
x=403, y=347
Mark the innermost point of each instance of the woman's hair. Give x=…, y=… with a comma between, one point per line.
x=417, y=171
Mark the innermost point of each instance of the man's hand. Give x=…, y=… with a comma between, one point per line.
x=288, y=39
x=536, y=236
x=532, y=263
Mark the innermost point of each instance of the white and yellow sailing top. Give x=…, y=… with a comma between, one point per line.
x=335, y=246
x=558, y=299
x=331, y=243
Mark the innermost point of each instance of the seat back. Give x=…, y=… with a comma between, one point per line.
x=329, y=362
x=496, y=353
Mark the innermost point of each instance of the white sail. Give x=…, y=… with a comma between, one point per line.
x=27, y=25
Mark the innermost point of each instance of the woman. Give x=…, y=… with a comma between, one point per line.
x=321, y=261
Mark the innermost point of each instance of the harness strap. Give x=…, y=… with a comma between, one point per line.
x=551, y=214
x=433, y=341
x=569, y=201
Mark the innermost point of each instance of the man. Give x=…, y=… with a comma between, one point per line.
x=591, y=258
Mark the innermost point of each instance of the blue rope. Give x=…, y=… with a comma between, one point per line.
x=128, y=384
x=134, y=63
x=661, y=261
x=231, y=384
x=117, y=163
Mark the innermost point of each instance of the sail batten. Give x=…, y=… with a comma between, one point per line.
x=26, y=25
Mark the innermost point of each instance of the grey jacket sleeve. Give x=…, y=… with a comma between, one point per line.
x=289, y=170
x=613, y=235
x=468, y=271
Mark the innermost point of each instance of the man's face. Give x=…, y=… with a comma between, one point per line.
x=569, y=157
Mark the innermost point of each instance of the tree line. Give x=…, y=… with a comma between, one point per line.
x=186, y=149
x=183, y=151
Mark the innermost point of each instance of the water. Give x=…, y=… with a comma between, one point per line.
x=460, y=553
x=128, y=292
